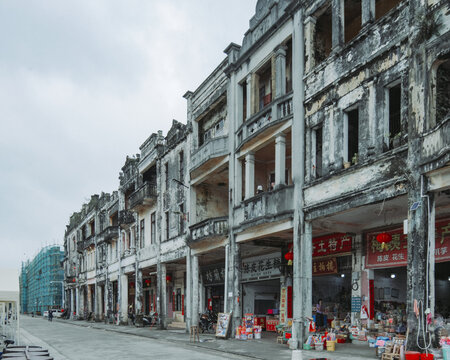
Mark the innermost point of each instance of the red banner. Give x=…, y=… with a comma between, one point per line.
x=395, y=252
x=332, y=244
x=324, y=267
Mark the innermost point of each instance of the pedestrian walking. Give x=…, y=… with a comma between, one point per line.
x=50, y=315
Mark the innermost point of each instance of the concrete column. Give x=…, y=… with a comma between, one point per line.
x=236, y=296
x=249, y=175
x=310, y=26
x=188, y=298
x=280, y=159
x=238, y=182
x=368, y=11
x=249, y=95
x=72, y=303
x=162, y=294
x=195, y=291
x=337, y=23
x=356, y=272
x=300, y=234
x=77, y=303
x=106, y=304
x=89, y=298
x=431, y=255
x=98, y=302
x=123, y=311
x=139, y=292
x=280, y=71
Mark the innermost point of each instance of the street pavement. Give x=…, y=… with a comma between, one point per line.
x=70, y=339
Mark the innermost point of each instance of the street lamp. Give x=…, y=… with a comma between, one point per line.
x=62, y=290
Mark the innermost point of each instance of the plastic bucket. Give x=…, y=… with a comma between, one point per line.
x=306, y=347
x=331, y=345
x=426, y=356
x=412, y=355
x=319, y=346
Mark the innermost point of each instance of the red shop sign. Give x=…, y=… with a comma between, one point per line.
x=332, y=244
x=395, y=253
x=324, y=267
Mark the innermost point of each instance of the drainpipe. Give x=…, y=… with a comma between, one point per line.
x=227, y=246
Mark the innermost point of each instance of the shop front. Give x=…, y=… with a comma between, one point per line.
x=213, y=278
x=262, y=284
x=332, y=281
x=386, y=263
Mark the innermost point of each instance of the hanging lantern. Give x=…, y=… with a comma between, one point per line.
x=168, y=278
x=131, y=284
x=289, y=257
x=384, y=238
x=147, y=282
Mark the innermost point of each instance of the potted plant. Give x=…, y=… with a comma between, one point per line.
x=355, y=159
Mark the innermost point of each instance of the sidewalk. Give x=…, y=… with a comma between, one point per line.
x=264, y=349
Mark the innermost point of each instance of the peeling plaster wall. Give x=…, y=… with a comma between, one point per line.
x=210, y=202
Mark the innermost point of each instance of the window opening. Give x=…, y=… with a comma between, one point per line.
x=181, y=163
x=153, y=227
x=181, y=218
x=167, y=225
x=352, y=19
x=166, y=174
x=443, y=92
x=352, y=135
x=142, y=235
x=244, y=101
x=323, y=36
x=289, y=66
x=383, y=6
x=395, y=128
x=317, y=166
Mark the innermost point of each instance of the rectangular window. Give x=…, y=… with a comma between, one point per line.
x=142, y=234
x=322, y=34
x=244, y=101
x=181, y=165
x=351, y=136
x=181, y=221
x=153, y=228
x=395, y=128
x=383, y=6
x=352, y=18
x=317, y=141
x=167, y=225
x=166, y=174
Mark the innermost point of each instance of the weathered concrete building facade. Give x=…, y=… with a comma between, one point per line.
x=327, y=126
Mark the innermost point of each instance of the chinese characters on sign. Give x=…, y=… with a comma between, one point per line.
x=395, y=253
x=262, y=266
x=283, y=305
x=332, y=244
x=324, y=267
x=214, y=275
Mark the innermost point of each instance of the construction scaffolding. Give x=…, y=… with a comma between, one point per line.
x=41, y=281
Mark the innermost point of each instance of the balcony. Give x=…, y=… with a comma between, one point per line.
x=126, y=217
x=278, y=111
x=212, y=150
x=111, y=232
x=209, y=229
x=144, y=196
x=435, y=143
x=268, y=206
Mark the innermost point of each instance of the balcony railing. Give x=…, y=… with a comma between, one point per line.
x=143, y=195
x=215, y=147
x=126, y=217
x=110, y=232
x=269, y=204
x=278, y=110
x=209, y=228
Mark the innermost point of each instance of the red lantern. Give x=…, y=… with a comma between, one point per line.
x=131, y=284
x=168, y=278
x=147, y=282
x=384, y=238
x=289, y=257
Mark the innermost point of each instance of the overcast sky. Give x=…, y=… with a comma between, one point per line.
x=83, y=84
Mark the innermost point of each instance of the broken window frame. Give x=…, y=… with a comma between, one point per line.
x=320, y=14
x=435, y=118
